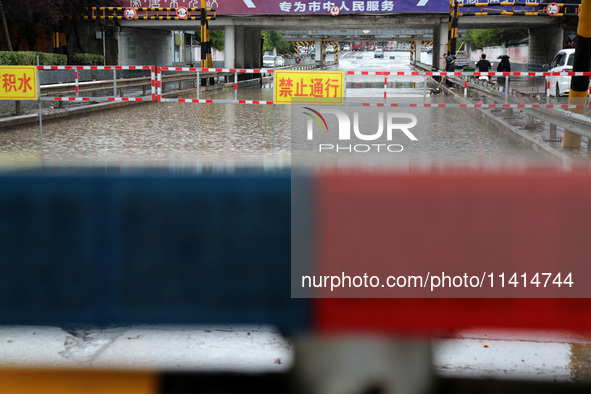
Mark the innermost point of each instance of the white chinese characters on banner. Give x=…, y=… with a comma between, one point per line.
x=272, y=7
x=354, y=6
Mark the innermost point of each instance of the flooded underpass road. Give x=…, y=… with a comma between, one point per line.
x=185, y=131
x=165, y=133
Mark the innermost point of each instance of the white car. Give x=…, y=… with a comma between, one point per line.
x=563, y=61
x=268, y=61
x=279, y=62
x=346, y=48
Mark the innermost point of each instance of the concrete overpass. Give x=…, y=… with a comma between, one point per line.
x=242, y=24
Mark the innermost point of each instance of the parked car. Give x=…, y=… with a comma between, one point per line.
x=346, y=48
x=279, y=62
x=563, y=61
x=268, y=61
x=379, y=53
x=462, y=59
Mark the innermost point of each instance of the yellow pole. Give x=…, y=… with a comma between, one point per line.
x=203, y=42
x=579, y=86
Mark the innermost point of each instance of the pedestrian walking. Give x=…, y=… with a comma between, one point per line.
x=504, y=66
x=484, y=66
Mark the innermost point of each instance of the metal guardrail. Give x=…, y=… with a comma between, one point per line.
x=124, y=83
x=554, y=114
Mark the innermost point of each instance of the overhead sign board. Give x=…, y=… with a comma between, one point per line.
x=299, y=7
x=470, y=6
x=18, y=83
x=312, y=85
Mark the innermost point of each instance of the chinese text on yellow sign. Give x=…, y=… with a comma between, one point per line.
x=18, y=83
x=299, y=85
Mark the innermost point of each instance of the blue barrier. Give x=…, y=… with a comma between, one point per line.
x=155, y=247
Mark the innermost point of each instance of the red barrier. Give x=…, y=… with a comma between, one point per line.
x=469, y=222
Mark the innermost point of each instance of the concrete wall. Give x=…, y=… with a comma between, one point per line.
x=83, y=38
x=543, y=45
x=518, y=56
x=138, y=47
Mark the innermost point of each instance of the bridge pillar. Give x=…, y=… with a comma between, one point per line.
x=229, y=47
x=544, y=42
x=239, y=46
x=318, y=56
x=440, y=45
x=417, y=55
x=255, y=47
x=248, y=48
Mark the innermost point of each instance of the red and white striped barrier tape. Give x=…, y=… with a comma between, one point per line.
x=379, y=73
x=471, y=73
x=94, y=67
x=159, y=83
x=213, y=101
x=221, y=70
x=436, y=105
x=385, y=73
x=92, y=99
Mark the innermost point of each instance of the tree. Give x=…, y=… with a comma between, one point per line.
x=216, y=39
x=5, y=26
x=274, y=40
x=480, y=38
x=29, y=19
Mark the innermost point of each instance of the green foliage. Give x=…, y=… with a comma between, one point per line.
x=29, y=58
x=52, y=59
x=272, y=39
x=478, y=39
x=216, y=38
x=88, y=59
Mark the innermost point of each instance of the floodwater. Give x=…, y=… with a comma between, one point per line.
x=164, y=132
x=153, y=133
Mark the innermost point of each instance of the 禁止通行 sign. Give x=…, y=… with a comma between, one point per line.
x=301, y=86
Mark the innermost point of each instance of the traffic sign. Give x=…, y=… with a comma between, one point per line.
x=18, y=83
x=552, y=9
x=335, y=10
x=130, y=13
x=182, y=12
x=308, y=87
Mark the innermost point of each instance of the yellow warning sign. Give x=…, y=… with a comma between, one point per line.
x=299, y=85
x=18, y=83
